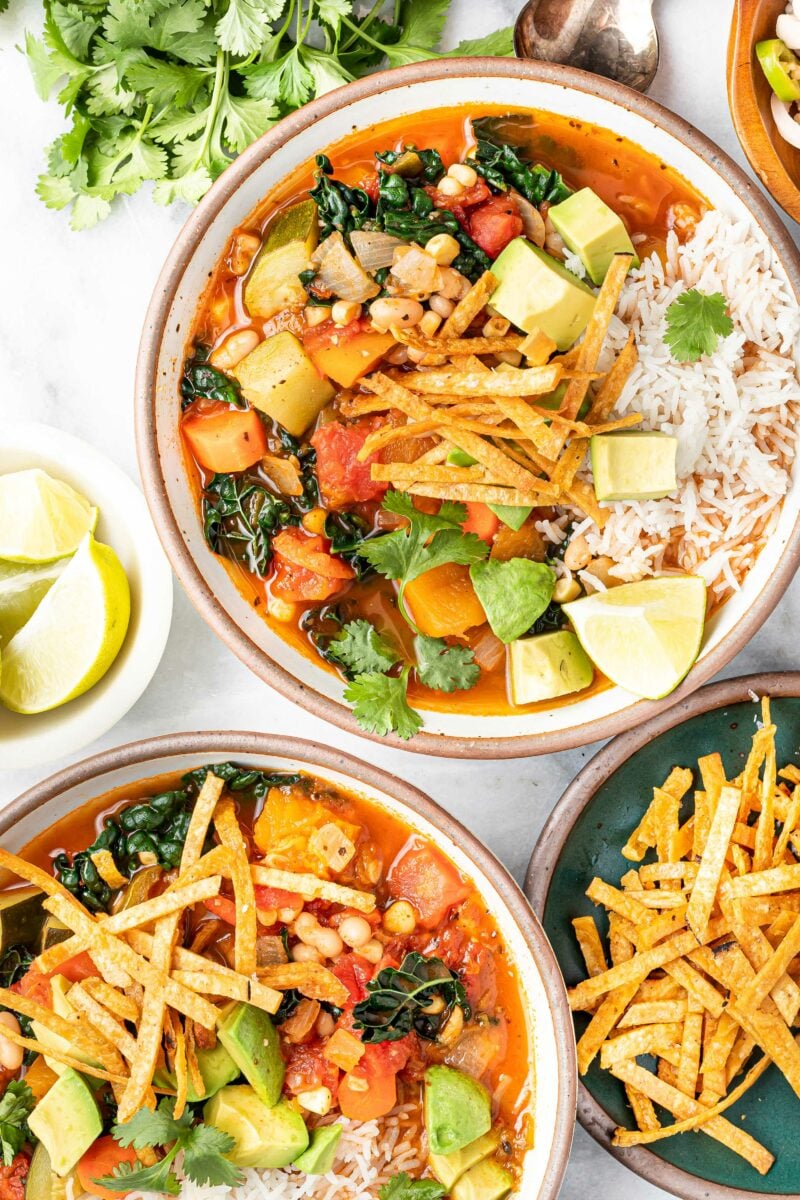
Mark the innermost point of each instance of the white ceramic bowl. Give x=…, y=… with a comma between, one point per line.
x=547, y=1009
x=294, y=141
x=125, y=524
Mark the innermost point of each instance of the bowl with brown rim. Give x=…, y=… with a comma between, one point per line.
x=583, y=837
x=545, y=1008
x=421, y=89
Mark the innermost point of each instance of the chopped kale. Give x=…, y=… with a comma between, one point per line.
x=202, y=381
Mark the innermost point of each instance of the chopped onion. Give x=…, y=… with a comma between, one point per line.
x=284, y=474
x=788, y=128
x=417, y=271
x=787, y=27
x=374, y=249
x=340, y=274
x=487, y=650
x=532, y=219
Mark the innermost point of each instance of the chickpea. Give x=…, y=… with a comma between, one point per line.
x=325, y=1025
x=577, y=554
x=567, y=588
x=387, y=312
x=452, y=282
x=400, y=917
x=306, y=954
x=316, y=314
x=373, y=951
x=430, y=323
x=355, y=932
x=328, y=942
x=441, y=306
x=11, y=1055
x=453, y=1027
x=449, y=186
x=444, y=248
x=305, y=927
x=345, y=311
x=234, y=349
x=465, y=175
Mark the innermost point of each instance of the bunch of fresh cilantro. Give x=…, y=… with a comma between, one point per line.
x=171, y=90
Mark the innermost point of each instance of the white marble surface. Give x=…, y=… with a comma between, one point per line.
x=71, y=306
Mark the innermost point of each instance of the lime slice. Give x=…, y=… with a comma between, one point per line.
x=73, y=637
x=22, y=587
x=643, y=636
x=41, y=518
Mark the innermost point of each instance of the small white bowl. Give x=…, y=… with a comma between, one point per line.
x=26, y=741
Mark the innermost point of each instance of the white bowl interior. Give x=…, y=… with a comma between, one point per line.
x=412, y=99
x=541, y=1027
x=125, y=524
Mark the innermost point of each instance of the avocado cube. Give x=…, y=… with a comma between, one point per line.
x=593, y=231
x=273, y=282
x=264, y=1138
x=320, y=1156
x=457, y=1109
x=487, y=1181
x=251, y=1040
x=279, y=378
x=60, y=987
x=216, y=1068
x=547, y=666
x=536, y=291
x=449, y=1167
x=633, y=465
x=66, y=1121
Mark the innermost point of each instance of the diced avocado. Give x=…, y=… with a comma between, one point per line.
x=457, y=1109
x=21, y=917
x=320, y=1156
x=487, y=1181
x=273, y=283
x=553, y=399
x=538, y=292
x=52, y=932
x=60, y=986
x=66, y=1121
x=252, y=1041
x=42, y=1182
x=449, y=1167
x=547, y=666
x=510, y=514
x=591, y=230
x=264, y=1137
x=216, y=1066
x=633, y=465
x=279, y=378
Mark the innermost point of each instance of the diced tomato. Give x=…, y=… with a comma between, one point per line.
x=270, y=897
x=480, y=520
x=12, y=1178
x=354, y=972
x=370, y=1090
x=467, y=199
x=222, y=907
x=344, y=480
x=79, y=967
x=36, y=985
x=428, y=881
x=320, y=337
x=225, y=439
x=305, y=569
x=495, y=224
x=307, y=1069
x=371, y=185
x=102, y=1157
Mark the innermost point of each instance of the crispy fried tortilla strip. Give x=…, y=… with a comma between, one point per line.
x=195, y=1074
x=772, y=971
x=111, y=998
x=620, y=947
x=751, y=791
x=244, y=947
x=80, y=1035
x=767, y=883
x=613, y=385
x=61, y=1056
x=602, y=1023
x=517, y=381
x=570, y=463
x=581, y=428
x=643, y=1109
x=696, y=986
x=643, y=837
x=684, y=1107
x=653, y=1012
x=312, y=888
x=35, y=875
x=103, y=862
x=648, y=1039
x=658, y=898
x=469, y=306
x=634, y=970
x=596, y=330
x=312, y=980
x=704, y=890
x=789, y=827
x=411, y=473
x=138, y=1091
x=765, y=828
x=611, y=898
x=102, y=1020
x=691, y=1043
x=457, y=347
x=181, y=1070
x=484, y=492
x=590, y=944
x=657, y=872
x=715, y=1059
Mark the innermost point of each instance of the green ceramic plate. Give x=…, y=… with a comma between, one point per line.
x=583, y=839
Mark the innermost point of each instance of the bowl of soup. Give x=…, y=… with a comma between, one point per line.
x=466, y=405
x=338, y=979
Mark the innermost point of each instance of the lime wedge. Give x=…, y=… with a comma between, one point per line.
x=643, y=636
x=22, y=587
x=41, y=518
x=73, y=637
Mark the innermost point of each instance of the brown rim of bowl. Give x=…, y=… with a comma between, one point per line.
x=191, y=578
x=546, y=853
x=362, y=774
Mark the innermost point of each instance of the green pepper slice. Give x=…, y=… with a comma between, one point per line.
x=776, y=61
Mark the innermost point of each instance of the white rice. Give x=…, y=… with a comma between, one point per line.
x=733, y=412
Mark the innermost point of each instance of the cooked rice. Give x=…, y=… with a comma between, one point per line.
x=733, y=412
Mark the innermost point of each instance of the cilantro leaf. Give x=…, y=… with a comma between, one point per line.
x=695, y=323
x=445, y=668
x=403, y=1187
x=133, y=1177
x=152, y=1127
x=499, y=44
x=380, y=704
x=360, y=649
x=203, y=1160
x=15, y=1107
x=429, y=541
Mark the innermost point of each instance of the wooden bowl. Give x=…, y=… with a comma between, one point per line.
x=775, y=162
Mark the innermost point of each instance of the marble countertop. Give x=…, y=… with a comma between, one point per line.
x=71, y=308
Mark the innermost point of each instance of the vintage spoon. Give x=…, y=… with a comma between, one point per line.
x=616, y=38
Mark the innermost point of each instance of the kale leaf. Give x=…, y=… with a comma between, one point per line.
x=201, y=381
x=239, y=518
x=502, y=167
x=398, y=997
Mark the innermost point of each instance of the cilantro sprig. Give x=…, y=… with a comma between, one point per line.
x=203, y=1148
x=403, y=1187
x=169, y=91
x=15, y=1108
x=695, y=323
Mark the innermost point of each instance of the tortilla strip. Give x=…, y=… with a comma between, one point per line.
x=101, y=1019
x=469, y=306
x=789, y=825
x=772, y=971
x=103, y=862
x=765, y=827
x=691, y=1044
x=613, y=385
x=457, y=347
x=214, y=983
x=230, y=834
x=643, y=1109
x=517, y=381
x=181, y=1070
x=60, y=1056
x=636, y=968
x=596, y=331
x=696, y=986
x=685, y=1107
x=86, y=1040
x=643, y=837
x=35, y=875
x=602, y=1023
x=414, y=472
x=111, y=998
x=755, y=946
x=648, y=1039
x=653, y=1012
x=767, y=883
x=530, y=423
x=590, y=945
x=704, y=891
x=715, y=1059
x=612, y=899
x=311, y=979
x=485, y=492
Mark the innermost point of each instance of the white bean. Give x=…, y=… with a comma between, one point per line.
x=305, y=927
x=11, y=1055
x=466, y=176
x=441, y=305
x=450, y=186
x=387, y=312
x=234, y=349
x=372, y=952
x=303, y=953
x=328, y=942
x=355, y=931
